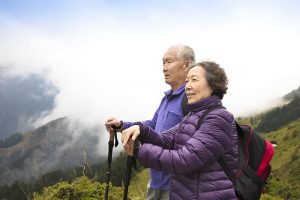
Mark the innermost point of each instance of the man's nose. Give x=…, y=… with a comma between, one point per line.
x=165, y=67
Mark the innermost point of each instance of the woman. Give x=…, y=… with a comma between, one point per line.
x=191, y=154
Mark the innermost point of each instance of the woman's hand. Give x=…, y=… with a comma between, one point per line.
x=128, y=138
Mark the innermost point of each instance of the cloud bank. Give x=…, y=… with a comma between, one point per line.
x=106, y=58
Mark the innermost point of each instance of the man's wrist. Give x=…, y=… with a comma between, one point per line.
x=120, y=126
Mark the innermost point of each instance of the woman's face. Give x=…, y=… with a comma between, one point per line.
x=197, y=87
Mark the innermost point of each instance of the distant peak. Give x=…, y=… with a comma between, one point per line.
x=292, y=95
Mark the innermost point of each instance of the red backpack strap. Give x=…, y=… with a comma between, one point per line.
x=268, y=155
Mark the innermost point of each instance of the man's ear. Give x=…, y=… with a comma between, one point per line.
x=187, y=66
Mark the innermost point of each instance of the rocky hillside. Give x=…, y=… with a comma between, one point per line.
x=56, y=145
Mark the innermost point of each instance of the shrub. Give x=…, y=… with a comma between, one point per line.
x=81, y=188
x=269, y=197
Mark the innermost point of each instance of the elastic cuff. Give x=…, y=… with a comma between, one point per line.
x=140, y=124
x=119, y=127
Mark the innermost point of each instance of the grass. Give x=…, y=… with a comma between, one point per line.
x=287, y=139
x=138, y=184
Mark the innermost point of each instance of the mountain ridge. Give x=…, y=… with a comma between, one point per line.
x=50, y=147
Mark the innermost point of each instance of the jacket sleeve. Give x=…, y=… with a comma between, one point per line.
x=210, y=142
x=164, y=140
x=151, y=122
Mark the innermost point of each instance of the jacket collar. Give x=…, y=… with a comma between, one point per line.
x=205, y=103
x=176, y=92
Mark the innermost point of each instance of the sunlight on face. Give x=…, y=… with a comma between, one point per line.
x=174, y=68
x=197, y=87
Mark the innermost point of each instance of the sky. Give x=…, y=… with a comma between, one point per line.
x=105, y=56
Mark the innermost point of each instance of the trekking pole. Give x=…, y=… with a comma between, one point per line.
x=112, y=137
x=128, y=175
x=131, y=162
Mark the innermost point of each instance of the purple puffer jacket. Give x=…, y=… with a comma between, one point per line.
x=191, y=156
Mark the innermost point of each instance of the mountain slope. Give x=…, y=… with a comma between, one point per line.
x=286, y=161
x=292, y=95
x=56, y=145
x=279, y=116
x=275, y=118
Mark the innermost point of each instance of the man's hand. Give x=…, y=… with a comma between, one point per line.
x=112, y=121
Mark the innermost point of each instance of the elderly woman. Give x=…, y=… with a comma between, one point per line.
x=190, y=153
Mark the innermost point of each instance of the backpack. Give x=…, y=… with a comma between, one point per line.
x=255, y=154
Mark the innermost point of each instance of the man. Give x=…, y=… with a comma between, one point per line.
x=176, y=62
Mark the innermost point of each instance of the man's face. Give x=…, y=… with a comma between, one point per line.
x=174, y=68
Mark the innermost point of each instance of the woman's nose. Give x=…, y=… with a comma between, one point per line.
x=187, y=86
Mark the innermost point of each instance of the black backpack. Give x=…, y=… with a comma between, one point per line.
x=255, y=154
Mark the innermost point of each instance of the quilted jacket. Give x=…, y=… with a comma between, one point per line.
x=191, y=155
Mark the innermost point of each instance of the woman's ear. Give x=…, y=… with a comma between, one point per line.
x=210, y=90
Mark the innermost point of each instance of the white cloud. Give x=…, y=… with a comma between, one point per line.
x=109, y=68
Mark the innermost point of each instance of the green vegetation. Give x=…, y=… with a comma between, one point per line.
x=269, y=197
x=280, y=116
x=285, y=179
x=93, y=172
x=278, y=188
x=275, y=118
x=286, y=160
x=84, y=188
x=80, y=189
x=138, y=185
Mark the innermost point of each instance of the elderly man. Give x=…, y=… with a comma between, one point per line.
x=176, y=63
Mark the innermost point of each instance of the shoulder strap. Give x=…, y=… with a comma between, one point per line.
x=229, y=173
x=201, y=119
x=220, y=160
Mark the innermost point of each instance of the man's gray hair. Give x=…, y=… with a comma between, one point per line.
x=185, y=52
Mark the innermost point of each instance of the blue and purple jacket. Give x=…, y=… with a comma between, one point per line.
x=168, y=114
